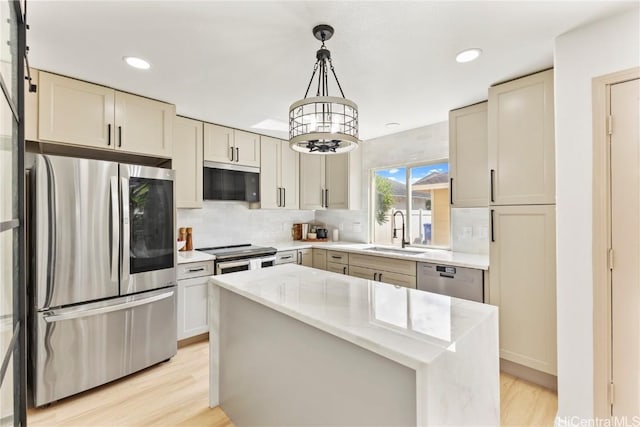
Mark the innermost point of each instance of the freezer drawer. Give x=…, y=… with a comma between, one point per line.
x=459, y=282
x=85, y=346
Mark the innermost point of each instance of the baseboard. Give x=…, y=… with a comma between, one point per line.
x=192, y=340
x=528, y=374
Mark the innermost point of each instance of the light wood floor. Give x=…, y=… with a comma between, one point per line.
x=176, y=393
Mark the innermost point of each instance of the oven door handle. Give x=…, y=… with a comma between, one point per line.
x=231, y=264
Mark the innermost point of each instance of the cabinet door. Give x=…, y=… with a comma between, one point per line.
x=75, y=112
x=337, y=268
x=521, y=141
x=218, y=143
x=337, y=181
x=469, y=186
x=312, y=195
x=289, y=175
x=192, y=307
x=187, y=162
x=306, y=257
x=270, y=190
x=247, y=147
x=522, y=281
x=320, y=259
x=144, y=126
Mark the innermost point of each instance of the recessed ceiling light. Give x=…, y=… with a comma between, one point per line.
x=137, y=62
x=392, y=125
x=468, y=55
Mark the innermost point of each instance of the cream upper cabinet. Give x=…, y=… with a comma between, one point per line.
x=247, y=148
x=279, y=174
x=469, y=186
x=187, y=162
x=521, y=141
x=312, y=181
x=330, y=181
x=218, y=143
x=144, y=126
x=522, y=283
x=226, y=145
x=75, y=112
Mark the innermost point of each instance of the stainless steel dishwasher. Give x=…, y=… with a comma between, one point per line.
x=459, y=282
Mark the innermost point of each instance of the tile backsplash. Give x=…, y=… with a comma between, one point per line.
x=470, y=230
x=226, y=223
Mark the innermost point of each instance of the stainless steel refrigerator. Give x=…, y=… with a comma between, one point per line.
x=103, y=278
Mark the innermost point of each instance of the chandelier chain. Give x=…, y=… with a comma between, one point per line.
x=315, y=68
x=336, y=77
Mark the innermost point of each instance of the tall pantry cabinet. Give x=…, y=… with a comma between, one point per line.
x=521, y=180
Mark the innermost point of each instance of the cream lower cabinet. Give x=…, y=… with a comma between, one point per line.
x=468, y=184
x=279, y=175
x=521, y=145
x=232, y=146
x=330, y=182
x=187, y=162
x=383, y=269
x=193, y=284
x=522, y=283
x=337, y=267
x=320, y=258
x=75, y=112
x=338, y=262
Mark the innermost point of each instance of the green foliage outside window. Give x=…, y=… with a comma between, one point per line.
x=384, y=199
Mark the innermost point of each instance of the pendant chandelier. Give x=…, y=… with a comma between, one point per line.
x=323, y=124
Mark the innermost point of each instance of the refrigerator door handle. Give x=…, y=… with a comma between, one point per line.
x=76, y=314
x=124, y=190
x=115, y=228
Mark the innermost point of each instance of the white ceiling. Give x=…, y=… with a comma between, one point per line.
x=237, y=63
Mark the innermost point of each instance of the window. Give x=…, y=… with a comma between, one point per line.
x=425, y=212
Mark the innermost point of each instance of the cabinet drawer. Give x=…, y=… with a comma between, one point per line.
x=383, y=276
x=380, y=263
x=286, y=257
x=337, y=267
x=195, y=269
x=338, y=257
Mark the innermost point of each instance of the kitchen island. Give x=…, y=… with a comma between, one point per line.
x=292, y=345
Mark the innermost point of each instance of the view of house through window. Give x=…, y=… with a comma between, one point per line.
x=426, y=212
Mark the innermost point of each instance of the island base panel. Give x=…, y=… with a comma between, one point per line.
x=275, y=370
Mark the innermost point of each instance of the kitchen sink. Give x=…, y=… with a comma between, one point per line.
x=402, y=251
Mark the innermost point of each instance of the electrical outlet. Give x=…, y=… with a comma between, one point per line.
x=341, y=226
x=467, y=233
x=357, y=227
x=482, y=232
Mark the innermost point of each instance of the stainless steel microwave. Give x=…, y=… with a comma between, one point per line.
x=223, y=181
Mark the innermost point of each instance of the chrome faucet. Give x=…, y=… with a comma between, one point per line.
x=395, y=230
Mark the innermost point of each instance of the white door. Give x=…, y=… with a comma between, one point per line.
x=312, y=194
x=270, y=190
x=625, y=241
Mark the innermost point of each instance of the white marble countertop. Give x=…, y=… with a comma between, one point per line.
x=408, y=326
x=457, y=259
x=186, y=257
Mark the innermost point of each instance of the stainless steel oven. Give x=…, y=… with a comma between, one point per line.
x=231, y=259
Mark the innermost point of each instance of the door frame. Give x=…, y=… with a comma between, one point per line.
x=601, y=224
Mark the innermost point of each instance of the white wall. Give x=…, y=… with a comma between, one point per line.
x=580, y=55
x=221, y=223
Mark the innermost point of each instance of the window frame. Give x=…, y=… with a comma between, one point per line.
x=372, y=199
